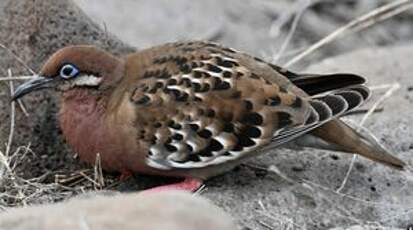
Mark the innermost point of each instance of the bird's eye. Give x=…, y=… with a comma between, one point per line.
x=68, y=71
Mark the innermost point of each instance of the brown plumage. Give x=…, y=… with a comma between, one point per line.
x=196, y=109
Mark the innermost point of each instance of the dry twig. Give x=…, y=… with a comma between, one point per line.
x=382, y=13
x=12, y=117
x=303, y=5
x=98, y=173
x=388, y=93
x=17, y=58
x=11, y=78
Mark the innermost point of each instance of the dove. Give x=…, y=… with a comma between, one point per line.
x=196, y=109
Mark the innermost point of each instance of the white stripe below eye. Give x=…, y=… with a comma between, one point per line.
x=87, y=80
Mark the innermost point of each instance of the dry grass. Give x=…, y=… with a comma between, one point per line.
x=16, y=190
x=371, y=18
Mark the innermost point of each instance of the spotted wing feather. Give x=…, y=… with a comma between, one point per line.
x=198, y=105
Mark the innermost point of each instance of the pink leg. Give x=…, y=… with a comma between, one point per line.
x=189, y=185
x=125, y=174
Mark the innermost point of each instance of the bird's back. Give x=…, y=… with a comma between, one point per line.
x=197, y=105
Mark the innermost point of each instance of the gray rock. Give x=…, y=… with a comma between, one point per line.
x=160, y=211
x=33, y=30
x=143, y=23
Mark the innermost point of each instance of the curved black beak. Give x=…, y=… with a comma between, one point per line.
x=34, y=84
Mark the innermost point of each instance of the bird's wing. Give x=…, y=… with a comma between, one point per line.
x=197, y=107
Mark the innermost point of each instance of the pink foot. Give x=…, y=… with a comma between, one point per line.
x=125, y=174
x=189, y=184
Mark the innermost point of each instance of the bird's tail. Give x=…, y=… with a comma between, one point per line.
x=338, y=136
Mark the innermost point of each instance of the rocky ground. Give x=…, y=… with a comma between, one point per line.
x=282, y=189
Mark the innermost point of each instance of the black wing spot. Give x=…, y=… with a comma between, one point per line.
x=198, y=74
x=194, y=127
x=227, y=74
x=200, y=112
x=194, y=65
x=252, y=131
x=227, y=154
x=253, y=119
x=158, y=85
x=161, y=60
x=179, y=96
x=194, y=158
x=143, y=100
x=172, y=82
x=157, y=125
x=221, y=85
x=197, y=87
x=248, y=105
x=182, y=97
x=163, y=74
x=217, y=81
x=170, y=148
x=228, y=127
x=225, y=63
x=210, y=113
x=284, y=119
x=174, y=125
x=298, y=102
x=148, y=74
x=145, y=88
x=274, y=101
x=214, y=68
x=175, y=92
x=283, y=90
x=177, y=137
x=205, y=88
x=185, y=68
x=180, y=60
x=185, y=81
x=254, y=76
x=215, y=145
x=205, y=133
x=243, y=141
x=189, y=147
x=238, y=147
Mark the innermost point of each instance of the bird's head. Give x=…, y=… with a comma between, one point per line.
x=74, y=67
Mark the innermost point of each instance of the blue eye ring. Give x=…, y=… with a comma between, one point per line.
x=68, y=71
